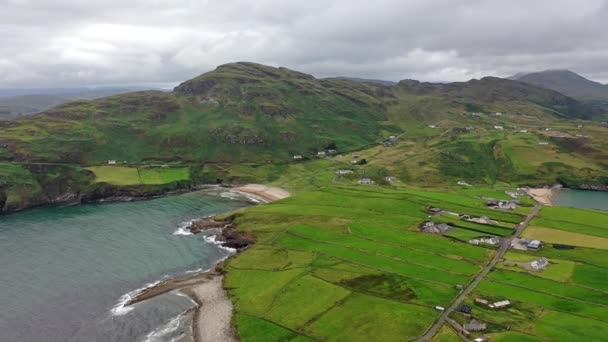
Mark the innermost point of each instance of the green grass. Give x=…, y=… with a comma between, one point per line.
x=564, y=327
x=365, y=318
x=346, y=252
x=117, y=175
x=253, y=329
x=564, y=237
x=303, y=300
x=446, y=334
x=558, y=269
x=591, y=276
x=516, y=293
x=549, y=286
x=513, y=337
x=163, y=175
x=123, y=175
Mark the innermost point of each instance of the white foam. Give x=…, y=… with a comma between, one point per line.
x=120, y=308
x=212, y=239
x=238, y=195
x=182, y=229
x=158, y=335
x=181, y=294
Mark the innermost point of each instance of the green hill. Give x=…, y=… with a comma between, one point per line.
x=246, y=121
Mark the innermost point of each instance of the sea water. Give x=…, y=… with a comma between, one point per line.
x=580, y=199
x=66, y=271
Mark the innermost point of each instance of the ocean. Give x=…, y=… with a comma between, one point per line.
x=580, y=199
x=66, y=270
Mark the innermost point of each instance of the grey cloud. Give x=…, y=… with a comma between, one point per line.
x=76, y=42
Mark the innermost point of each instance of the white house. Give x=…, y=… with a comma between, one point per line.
x=111, y=162
x=321, y=153
x=297, y=156
x=344, y=172
x=498, y=127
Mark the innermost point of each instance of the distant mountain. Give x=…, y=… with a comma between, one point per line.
x=363, y=80
x=567, y=83
x=19, y=102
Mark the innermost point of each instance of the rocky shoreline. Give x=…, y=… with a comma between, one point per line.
x=211, y=319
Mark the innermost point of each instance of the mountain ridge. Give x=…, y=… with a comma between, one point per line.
x=566, y=82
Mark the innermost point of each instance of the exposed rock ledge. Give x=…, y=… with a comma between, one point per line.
x=229, y=236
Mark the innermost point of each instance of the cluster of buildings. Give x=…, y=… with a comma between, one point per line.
x=435, y=228
x=496, y=305
x=503, y=205
x=391, y=141
x=526, y=244
x=482, y=220
x=493, y=241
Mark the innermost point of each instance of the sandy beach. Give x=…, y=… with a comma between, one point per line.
x=266, y=193
x=212, y=319
x=541, y=195
x=212, y=316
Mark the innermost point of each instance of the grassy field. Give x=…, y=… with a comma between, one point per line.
x=564, y=237
x=559, y=270
x=352, y=263
x=125, y=175
x=446, y=334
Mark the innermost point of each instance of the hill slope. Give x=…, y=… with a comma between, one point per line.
x=245, y=121
x=566, y=82
x=27, y=104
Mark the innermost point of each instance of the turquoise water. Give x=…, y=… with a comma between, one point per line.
x=580, y=199
x=65, y=269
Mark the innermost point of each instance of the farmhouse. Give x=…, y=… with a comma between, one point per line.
x=481, y=339
x=482, y=220
x=111, y=162
x=500, y=305
x=503, y=205
x=297, y=156
x=523, y=131
x=520, y=244
x=463, y=183
x=487, y=240
x=391, y=179
x=435, y=210
x=431, y=227
x=474, y=325
x=332, y=151
x=539, y=264
x=534, y=245
x=498, y=127
x=354, y=155
x=366, y=181
x=433, y=126
x=344, y=172
x=543, y=143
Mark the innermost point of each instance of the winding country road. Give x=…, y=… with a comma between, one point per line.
x=482, y=274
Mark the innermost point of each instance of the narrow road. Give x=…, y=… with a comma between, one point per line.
x=482, y=274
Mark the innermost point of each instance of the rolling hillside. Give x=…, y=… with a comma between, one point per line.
x=245, y=122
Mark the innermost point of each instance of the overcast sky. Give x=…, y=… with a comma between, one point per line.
x=61, y=43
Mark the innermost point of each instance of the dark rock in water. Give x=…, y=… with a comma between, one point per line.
x=229, y=237
x=233, y=239
x=208, y=223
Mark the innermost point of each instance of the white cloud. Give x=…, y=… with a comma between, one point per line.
x=76, y=42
